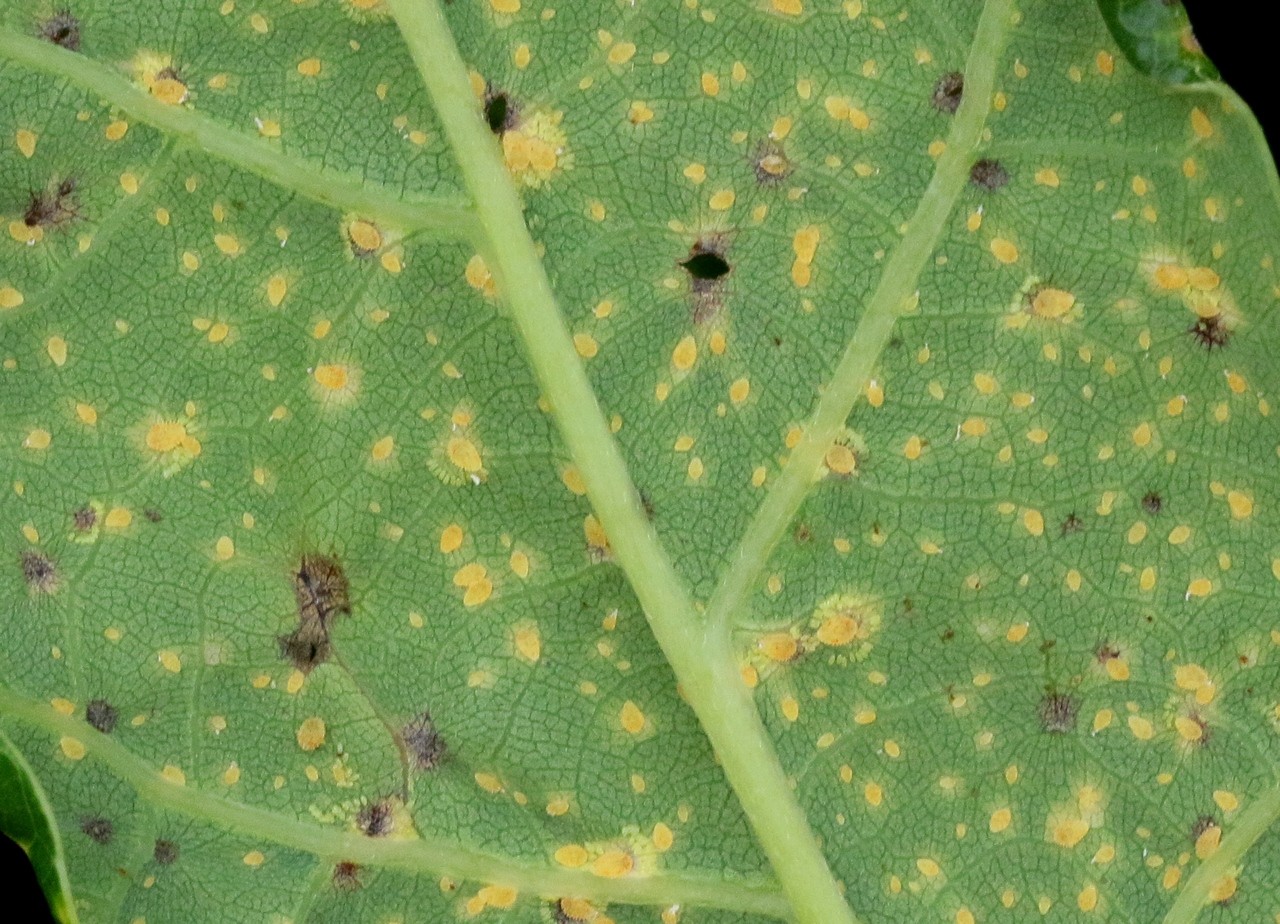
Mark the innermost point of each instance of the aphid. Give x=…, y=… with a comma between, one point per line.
x=101, y=715
x=53, y=206
x=376, y=819
x=1210, y=332
x=424, y=743
x=165, y=852
x=61, y=29
x=1058, y=713
x=988, y=174
x=948, y=92
x=39, y=571
x=98, y=829
x=346, y=876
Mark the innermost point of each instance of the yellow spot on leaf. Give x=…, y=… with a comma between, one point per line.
x=1004, y=251
x=633, y=720
x=72, y=748
x=311, y=733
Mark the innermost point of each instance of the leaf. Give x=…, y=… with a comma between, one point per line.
x=637, y=461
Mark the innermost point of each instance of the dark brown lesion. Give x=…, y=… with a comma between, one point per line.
x=346, y=876
x=62, y=29
x=53, y=206
x=376, y=819
x=39, y=571
x=1211, y=332
x=322, y=593
x=707, y=266
x=422, y=740
x=948, y=92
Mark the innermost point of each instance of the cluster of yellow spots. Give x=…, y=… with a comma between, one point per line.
x=474, y=581
x=364, y=240
x=1068, y=824
x=173, y=443
x=156, y=74
x=1199, y=287
x=842, y=109
x=845, y=622
x=633, y=854
x=458, y=456
x=535, y=149
x=804, y=244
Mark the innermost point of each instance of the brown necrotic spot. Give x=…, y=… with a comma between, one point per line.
x=39, y=571
x=1072, y=524
x=53, y=206
x=165, y=852
x=948, y=92
x=98, y=829
x=62, y=29
x=423, y=742
x=500, y=111
x=1210, y=332
x=322, y=593
x=1201, y=825
x=1057, y=712
x=84, y=519
x=988, y=174
x=101, y=715
x=346, y=876
x=770, y=163
x=1152, y=502
x=376, y=819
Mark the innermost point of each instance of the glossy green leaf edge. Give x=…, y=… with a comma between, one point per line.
x=25, y=815
x=1156, y=37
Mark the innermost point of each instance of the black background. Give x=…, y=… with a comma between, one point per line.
x=1236, y=41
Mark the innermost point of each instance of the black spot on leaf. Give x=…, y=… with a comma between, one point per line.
x=152, y=515
x=52, y=207
x=422, y=740
x=61, y=29
x=1210, y=332
x=500, y=112
x=101, y=715
x=1058, y=713
x=84, y=519
x=948, y=92
x=165, y=852
x=322, y=593
x=376, y=819
x=39, y=571
x=346, y=876
x=989, y=175
x=1152, y=502
x=98, y=829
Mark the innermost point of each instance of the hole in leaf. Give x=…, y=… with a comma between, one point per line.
x=1058, y=713
x=62, y=29
x=948, y=92
x=98, y=829
x=424, y=743
x=706, y=265
x=101, y=715
x=39, y=571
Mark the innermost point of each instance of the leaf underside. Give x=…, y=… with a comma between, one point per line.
x=307, y=615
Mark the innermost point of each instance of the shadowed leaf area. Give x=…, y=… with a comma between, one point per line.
x=637, y=461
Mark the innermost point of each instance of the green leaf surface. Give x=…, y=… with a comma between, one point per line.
x=637, y=461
